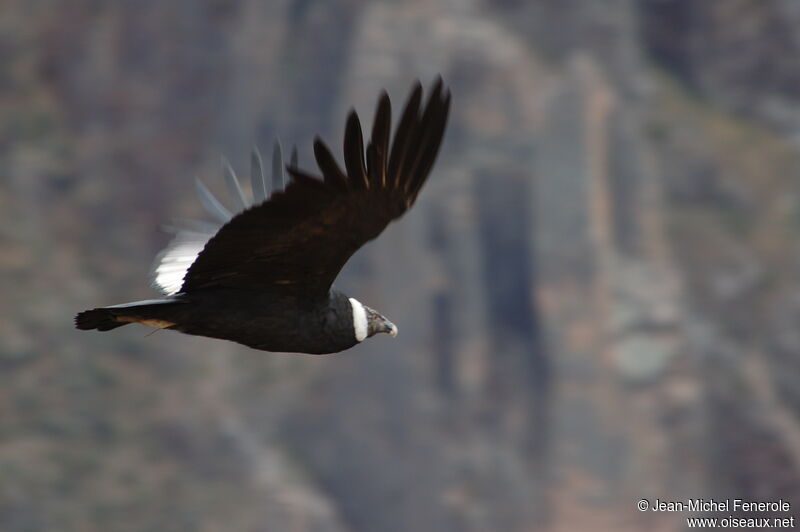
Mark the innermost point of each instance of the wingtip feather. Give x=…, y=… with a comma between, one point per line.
x=257, y=181
x=278, y=181
x=331, y=172
x=211, y=203
x=232, y=182
x=354, y=152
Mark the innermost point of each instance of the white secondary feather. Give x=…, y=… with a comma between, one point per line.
x=172, y=264
x=359, y=319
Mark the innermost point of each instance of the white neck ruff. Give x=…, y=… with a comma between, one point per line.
x=359, y=319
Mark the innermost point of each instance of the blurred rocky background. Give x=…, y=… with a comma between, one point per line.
x=597, y=292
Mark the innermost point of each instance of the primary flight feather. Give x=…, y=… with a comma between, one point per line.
x=264, y=279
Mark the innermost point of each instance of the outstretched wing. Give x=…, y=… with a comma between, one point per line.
x=191, y=236
x=299, y=240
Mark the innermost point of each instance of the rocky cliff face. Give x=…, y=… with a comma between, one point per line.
x=740, y=54
x=597, y=290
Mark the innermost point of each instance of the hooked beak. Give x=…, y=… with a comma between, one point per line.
x=378, y=323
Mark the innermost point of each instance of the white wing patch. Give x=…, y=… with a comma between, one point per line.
x=172, y=264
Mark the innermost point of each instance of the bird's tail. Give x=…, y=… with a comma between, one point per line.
x=101, y=319
x=148, y=312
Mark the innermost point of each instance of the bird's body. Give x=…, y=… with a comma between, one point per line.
x=264, y=278
x=256, y=319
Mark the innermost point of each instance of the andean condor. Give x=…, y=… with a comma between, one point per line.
x=264, y=278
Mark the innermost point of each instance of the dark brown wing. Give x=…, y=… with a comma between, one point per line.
x=299, y=240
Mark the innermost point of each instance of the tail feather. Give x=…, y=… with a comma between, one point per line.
x=151, y=312
x=101, y=319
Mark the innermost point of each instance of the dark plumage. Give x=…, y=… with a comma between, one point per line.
x=264, y=279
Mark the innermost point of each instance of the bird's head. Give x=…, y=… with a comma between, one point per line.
x=368, y=322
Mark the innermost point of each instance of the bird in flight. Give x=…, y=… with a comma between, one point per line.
x=264, y=278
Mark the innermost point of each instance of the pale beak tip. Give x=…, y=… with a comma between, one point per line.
x=392, y=329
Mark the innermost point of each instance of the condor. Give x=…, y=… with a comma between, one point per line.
x=264, y=278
